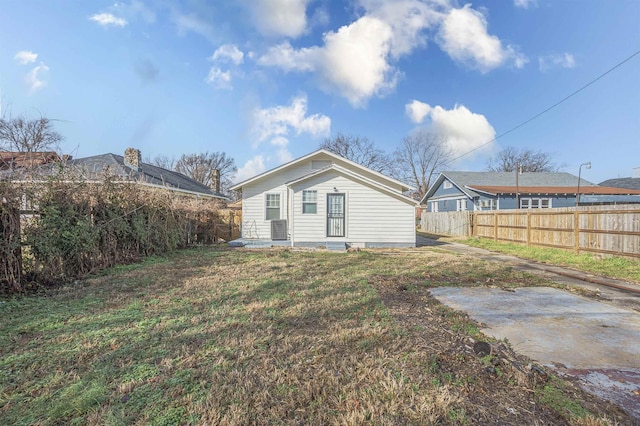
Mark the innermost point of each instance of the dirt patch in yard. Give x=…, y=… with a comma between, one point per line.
x=496, y=385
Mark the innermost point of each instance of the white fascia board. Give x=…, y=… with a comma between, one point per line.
x=239, y=185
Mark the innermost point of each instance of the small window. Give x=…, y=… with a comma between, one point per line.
x=447, y=185
x=461, y=205
x=309, y=202
x=272, y=202
x=535, y=203
x=434, y=206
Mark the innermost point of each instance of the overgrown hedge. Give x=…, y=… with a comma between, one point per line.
x=71, y=228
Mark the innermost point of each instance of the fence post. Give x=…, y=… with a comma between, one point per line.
x=495, y=225
x=576, y=232
x=528, y=228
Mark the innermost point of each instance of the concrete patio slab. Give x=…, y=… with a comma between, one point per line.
x=575, y=335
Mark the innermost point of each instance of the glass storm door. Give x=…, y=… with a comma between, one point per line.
x=335, y=215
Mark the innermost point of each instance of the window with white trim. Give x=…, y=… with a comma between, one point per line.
x=309, y=202
x=487, y=204
x=461, y=205
x=535, y=203
x=272, y=206
x=434, y=207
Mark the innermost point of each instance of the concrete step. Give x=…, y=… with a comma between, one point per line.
x=336, y=245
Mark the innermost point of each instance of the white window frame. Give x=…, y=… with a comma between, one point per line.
x=487, y=204
x=434, y=207
x=535, y=203
x=312, y=201
x=267, y=200
x=461, y=205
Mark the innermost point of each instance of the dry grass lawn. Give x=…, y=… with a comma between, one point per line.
x=220, y=336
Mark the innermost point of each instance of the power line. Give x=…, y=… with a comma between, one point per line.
x=619, y=64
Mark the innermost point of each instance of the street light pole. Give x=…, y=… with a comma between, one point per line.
x=587, y=166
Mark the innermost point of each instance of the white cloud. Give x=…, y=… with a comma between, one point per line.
x=524, y=4
x=408, y=20
x=34, y=79
x=286, y=18
x=356, y=61
x=417, y=111
x=353, y=61
x=25, y=57
x=277, y=122
x=228, y=52
x=250, y=169
x=562, y=60
x=284, y=156
x=464, y=129
x=218, y=78
x=193, y=23
x=284, y=56
x=464, y=37
x=108, y=20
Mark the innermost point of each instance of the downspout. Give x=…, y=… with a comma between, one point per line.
x=290, y=213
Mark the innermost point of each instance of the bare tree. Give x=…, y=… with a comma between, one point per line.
x=162, y=161
x=200, y=166
x=525, y=159
x=359, y=150
x=23, y=134
x=420, y=156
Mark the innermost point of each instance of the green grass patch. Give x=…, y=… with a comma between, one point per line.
x=606, y=266
x=220, y=336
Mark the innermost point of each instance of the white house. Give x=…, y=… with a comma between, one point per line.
x=322, y=199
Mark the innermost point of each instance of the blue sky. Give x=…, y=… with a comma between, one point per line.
x=267, y=80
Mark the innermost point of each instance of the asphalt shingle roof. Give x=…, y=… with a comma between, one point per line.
x=543, y=179
x=97, y=166
x=628, y=183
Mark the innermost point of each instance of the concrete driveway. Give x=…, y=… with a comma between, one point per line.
x=596, y=341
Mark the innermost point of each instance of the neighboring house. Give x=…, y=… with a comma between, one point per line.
x=323, y=199
x=628, y=183
x=16, y=160
x=127, y=168
x=459, y=191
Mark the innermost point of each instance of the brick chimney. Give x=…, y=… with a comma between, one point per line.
x=133, y=158
x=215, y=180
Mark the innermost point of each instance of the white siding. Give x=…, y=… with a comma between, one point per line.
x=254, y=224
x=371, y=215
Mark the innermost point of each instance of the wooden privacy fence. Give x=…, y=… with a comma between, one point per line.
x=611, y=230
x=456, y=224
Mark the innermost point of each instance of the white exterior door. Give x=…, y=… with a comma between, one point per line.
x=335, y=215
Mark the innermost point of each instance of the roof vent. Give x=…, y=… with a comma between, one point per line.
x=279, y=229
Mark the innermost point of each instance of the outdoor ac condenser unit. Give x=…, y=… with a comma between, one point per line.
x=279, y=229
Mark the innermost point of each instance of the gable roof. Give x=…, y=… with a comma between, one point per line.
x=629, y=183
x=95, y=168
x=318, y=153
x=346, y=172
x=466, y=181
